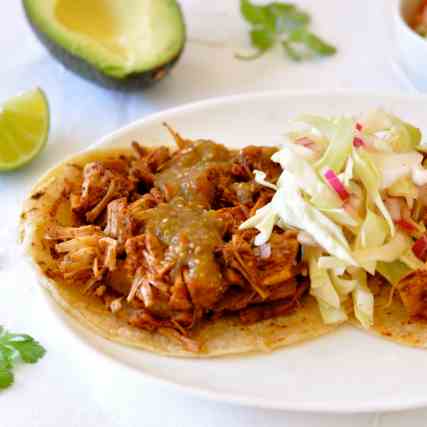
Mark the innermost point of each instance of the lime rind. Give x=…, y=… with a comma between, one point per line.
x=24, y=129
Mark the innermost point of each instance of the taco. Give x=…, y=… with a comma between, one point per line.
x=355, y=189
x=144, y=246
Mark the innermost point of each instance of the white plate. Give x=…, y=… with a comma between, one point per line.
x=347, y=371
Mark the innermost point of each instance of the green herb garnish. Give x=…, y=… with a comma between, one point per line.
x=12, y=348
x=282, y=23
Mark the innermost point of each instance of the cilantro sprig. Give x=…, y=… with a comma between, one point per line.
x=282, y=23
x=12, y=348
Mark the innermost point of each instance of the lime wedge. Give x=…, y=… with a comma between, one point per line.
x=24, y=128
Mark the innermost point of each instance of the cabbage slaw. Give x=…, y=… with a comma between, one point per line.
x=341, y=178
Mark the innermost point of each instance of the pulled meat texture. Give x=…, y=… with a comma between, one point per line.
x=102, y=183
x=413, y=292
x=157, y=238
x=120, y=225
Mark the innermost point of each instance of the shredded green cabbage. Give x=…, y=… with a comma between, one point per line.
x=373, y=233
x=322, y=125
x=347, y=175
x=363, y=299
x=322, y=196
x=323, y=289
x=344, y=287
x=354, y=237
x=365, y=170
x=296, y=212
x=308, y=179
x=394, y=271
x=389, y=252
x=333, y=263
x=340, y=146
x=406, y=188
x=402, y=137
x=409, y=259
x=395, y=166
x=260, y=178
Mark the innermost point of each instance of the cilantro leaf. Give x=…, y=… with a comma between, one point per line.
x=293, y=53
x=312, y=42
x=5, y=365
x=13, y=346
x=281, y=8
x=284, y=23
x=253, y=14
x=29, y=349
x=6, y=356
x=258, y=16
x=262, y=39
x=6, y=378
x=288, y=17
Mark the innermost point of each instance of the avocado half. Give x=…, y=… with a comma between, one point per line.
x=125, y=44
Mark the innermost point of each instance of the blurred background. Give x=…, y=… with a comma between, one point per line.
x=82, y=112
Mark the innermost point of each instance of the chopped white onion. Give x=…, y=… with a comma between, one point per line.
x=419, y=175
x=265, y=250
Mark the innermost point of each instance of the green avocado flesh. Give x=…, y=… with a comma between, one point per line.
x=116, y=43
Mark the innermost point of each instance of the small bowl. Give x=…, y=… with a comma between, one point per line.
x=411, y=46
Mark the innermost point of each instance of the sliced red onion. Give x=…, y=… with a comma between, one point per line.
x=406, y=225
x=420, y=248
x=336, y=184
x=358, y=142
x=359, y=126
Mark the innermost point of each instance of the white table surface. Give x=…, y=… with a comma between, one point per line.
x=73, y=386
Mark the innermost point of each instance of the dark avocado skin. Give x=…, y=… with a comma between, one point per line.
x=132, y=82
